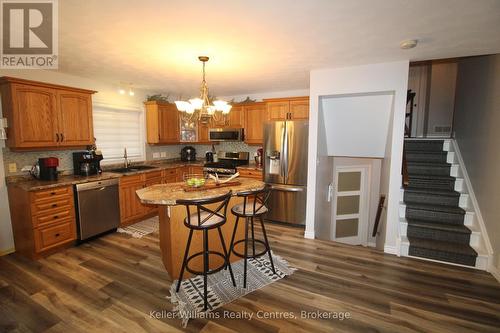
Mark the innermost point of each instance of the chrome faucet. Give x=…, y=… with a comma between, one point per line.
x=126, y=162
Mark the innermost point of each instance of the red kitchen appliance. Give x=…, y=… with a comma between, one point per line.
x=46, y=168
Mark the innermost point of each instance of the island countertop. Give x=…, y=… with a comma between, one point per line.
x=168, y=194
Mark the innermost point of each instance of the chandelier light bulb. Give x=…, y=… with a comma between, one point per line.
x=197, y=103
x=226, y=108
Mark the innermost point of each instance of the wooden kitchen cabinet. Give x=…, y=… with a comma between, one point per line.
x=131, y=209
x=43, y=221
x=75, y=118
x=291, y=108
x=255, y=116
x=42, y=115
x=203, y=133
x=251, y=173
x=162, y=123
x=235, y=118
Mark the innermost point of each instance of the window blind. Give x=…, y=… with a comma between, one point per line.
x=116, y=129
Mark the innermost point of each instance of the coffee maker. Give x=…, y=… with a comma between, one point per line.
x=188, y=154
x=87, y=163
x=45, y=168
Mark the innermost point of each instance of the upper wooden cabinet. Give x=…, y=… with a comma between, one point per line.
x=42, y=115
x=255, y=116
x=162, y=123
x=292, y=108
x=235, y=118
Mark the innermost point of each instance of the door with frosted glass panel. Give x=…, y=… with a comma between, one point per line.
x=350, y=215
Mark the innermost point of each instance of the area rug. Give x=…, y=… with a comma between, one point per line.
x=141, y=229
x=189, y=300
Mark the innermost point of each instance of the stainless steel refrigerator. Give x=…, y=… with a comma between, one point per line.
x=285, y=169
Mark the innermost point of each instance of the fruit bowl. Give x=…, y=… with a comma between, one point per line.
x=194, y=179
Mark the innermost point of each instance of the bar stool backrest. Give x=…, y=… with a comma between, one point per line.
x=255, y=199
x=200, y=207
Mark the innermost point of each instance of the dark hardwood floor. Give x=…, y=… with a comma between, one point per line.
x=116, y=283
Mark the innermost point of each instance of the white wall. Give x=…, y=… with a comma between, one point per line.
x=441, y=98
x=357, y=125
x=6, y=239
x=366, y=79
x=476, y=126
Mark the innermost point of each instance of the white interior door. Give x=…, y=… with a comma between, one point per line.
x=350, y=205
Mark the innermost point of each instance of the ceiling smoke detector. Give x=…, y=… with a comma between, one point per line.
x=408, y=44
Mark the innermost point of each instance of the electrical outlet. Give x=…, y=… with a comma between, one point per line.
x=163, y=154
x=156, y=155
x=12, y=167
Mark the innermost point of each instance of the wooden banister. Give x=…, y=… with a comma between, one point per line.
x=379, y=214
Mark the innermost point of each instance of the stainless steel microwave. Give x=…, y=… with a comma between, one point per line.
x=226, y=134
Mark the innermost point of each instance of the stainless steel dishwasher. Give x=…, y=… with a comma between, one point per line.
x=98, y=207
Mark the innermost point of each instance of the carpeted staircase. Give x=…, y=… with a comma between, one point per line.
x=436, y=227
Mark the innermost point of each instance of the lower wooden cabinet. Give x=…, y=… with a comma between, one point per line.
x=42, y=221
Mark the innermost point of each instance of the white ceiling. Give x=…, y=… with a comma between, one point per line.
x=261, y=45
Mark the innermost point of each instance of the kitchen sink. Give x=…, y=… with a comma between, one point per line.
x=134, y=168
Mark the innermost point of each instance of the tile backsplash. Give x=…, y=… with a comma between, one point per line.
x=65, y=157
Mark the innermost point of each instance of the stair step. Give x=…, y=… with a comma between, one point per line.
x=438, y=231
x=444, y=251
x=426, y=156
x=431, y=182
x=431, y=169
x=423, y=145
x=431, y=196
x=435, y=213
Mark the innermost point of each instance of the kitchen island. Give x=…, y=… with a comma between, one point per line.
x=173, y=232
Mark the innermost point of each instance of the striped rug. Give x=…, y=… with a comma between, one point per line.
x=142, y=228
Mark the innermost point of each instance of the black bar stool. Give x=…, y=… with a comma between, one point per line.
x=205, y=219
x=253, y=206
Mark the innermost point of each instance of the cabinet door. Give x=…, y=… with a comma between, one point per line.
x=130, y=205
x=75, y=118
x=278, y=110
x=299, y=109
x=180, y=172
x=34, y=117
x=255, y=115
x=169, y=129
x=236, y=118
x=221, y=121
x=203, y=132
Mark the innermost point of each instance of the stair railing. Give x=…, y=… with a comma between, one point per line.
x=404, y=171
x=381, y=202
x=410, y=97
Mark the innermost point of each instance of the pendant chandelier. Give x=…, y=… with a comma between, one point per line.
x=200, y=108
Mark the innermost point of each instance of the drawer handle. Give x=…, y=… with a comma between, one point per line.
x=57, y=235
x=54, y=205
x=52, y=193
x=56, y=216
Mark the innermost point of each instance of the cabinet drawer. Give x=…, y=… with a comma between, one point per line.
x=153, y=175
x=53, y=194
x=54, y=216
x=250, y=173
x=125, y=180
x=170, y=172
x=55, y=235
x=49, y=206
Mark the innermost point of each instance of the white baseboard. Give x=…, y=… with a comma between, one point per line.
x=472, y=198
x=7, y=251
x=390, y=249
x=495, y=272
x=309, y=234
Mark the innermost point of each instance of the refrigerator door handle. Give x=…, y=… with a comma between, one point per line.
x=285, y=153
x=287, y=188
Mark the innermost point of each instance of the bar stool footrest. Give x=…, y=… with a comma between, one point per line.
x=249, y=243
x=212, y=271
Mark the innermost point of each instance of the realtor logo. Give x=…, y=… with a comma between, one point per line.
x=29, y=34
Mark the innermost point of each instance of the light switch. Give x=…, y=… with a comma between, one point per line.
x=156, y=155
x=12, y=167
x=163, y=154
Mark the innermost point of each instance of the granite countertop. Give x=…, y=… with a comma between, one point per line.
x=30, y=184
x=168, y=194
x=27, y=183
